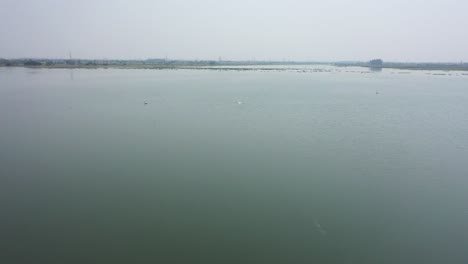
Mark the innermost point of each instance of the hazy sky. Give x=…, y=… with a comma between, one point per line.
x=325, y=30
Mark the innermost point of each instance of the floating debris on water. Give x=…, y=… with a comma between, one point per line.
x=319, y=228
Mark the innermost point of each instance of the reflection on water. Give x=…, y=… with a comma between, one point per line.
x=308, y=165
x=375, y=69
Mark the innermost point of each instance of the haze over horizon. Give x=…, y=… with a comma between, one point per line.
x=299, y=30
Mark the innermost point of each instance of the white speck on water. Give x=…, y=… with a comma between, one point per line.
x=319, y=228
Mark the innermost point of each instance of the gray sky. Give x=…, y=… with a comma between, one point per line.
x=326, y=30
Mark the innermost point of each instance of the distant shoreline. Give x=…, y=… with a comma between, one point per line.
x=234, y=67
x=417, y=68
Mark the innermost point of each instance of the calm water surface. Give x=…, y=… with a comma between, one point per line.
x=309, y=165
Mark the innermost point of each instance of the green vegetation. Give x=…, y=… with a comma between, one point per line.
x=380, y=64
x=4, y=62
x=375, y=64
x=32, y=63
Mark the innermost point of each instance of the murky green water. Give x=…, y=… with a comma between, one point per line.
x=322, y=166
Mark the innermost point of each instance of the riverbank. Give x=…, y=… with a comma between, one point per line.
x=410, y=66
x=237, y=67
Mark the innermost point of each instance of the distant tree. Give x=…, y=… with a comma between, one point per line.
x=32, y=63
x=376, y=62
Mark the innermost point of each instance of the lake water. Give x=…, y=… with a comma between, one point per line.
x=310, y=164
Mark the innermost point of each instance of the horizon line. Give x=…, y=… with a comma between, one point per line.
x=227, y=60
